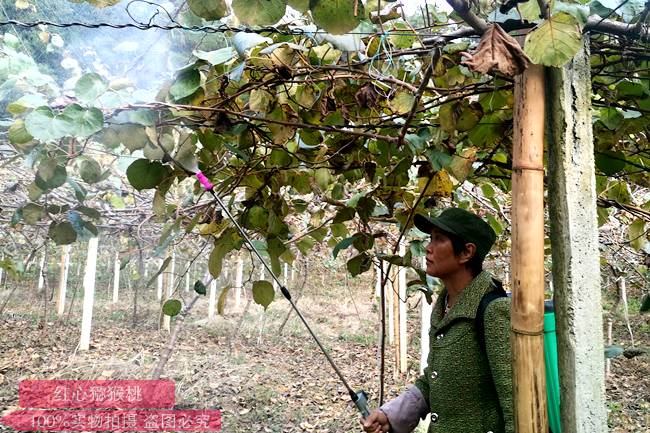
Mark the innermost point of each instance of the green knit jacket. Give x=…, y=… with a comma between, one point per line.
x=465, y=390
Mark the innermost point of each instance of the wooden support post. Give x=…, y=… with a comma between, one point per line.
x=401, y=281
x=527, y=259
x=63, y=280
x=574, y=240
x=89, y=294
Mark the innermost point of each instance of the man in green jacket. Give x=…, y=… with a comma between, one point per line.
x=465, y=388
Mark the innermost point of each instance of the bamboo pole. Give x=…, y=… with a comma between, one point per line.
x=527, y=259
x=425, y=326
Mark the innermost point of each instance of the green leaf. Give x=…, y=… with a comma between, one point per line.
x=44, y=125
x=90, y=87
x=210, y=10
x=145, y=174
x=50, y=175
x=216, y=57
x=337, y=16
x=133, y=137
x=611, y=117
x=403, y=102
x=172, y=307
x=299, y=5
x=187, y=82
x=259, y=12
x=613, y=351
x=82, y=122
x=645, y=304
x=62, y=233
x=90, y=171
x=160, y=270
x=344, y=244
x=610, y=162
x=637, y=234
x=257, y=218
x=18, y=133
x=221, y=303
x=89, y=212
x=359, y=264
x=32, y=213
x=555, y=42
x=263, y=293
x=344, y=214
x=363, y=241
x=200, y=288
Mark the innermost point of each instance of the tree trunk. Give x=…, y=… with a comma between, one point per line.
x=178, y=326
x=171, y=283
x=89, y=294
x=390, y=295
x=63, y=280
x=527, y=259
x=239, y=277
x=574, y=240
x=116, y=277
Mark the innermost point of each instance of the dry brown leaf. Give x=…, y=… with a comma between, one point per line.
x=497, y=52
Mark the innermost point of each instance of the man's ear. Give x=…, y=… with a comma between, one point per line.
x=467, y=254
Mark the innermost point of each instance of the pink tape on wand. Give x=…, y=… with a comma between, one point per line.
x=204, y=181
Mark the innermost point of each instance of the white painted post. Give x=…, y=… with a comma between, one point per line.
x=213, y=299
x=262, y=269
x=425, y=317
x=89, y=294
x=187, y=279
x=116, y=277
x=574, y=238
x=293, y=272
x=63, y=280
x=402, y=312
x=239, y=277
x=2, y=269
x=41, y=268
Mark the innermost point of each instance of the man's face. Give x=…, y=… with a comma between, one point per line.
x=441, y=260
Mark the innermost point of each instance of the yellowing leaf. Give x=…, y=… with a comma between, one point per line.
x=440, y=186
x=555, y=42
x=403, y=102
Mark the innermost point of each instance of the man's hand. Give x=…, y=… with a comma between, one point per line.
x=377, y=422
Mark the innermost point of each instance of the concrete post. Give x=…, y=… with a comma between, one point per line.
x=574, y=237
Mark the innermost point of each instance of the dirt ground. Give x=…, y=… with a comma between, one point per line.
x=263, y=381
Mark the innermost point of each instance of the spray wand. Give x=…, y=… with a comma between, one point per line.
x=359, y=398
